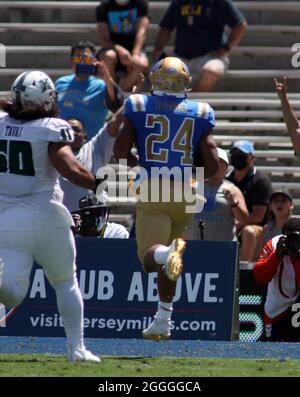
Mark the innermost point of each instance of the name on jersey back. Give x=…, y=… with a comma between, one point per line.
x=181, y=107
x=13, y=131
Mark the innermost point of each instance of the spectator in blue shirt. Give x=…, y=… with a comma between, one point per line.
x=87, y=96
x=199, y=39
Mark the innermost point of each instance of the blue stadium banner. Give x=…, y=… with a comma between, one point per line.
x=120, y=299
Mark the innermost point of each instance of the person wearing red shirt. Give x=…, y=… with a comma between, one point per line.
x=279, y=266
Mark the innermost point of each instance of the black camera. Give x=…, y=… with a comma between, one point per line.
x=84, y=65
x=93, y=217
x=292, y=242
x=85, y=69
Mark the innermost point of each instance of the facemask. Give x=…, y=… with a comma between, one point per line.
x=238, y=161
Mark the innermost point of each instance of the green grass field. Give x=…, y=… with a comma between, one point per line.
x=31, y=365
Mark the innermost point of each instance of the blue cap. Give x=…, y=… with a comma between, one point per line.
x=244, y=146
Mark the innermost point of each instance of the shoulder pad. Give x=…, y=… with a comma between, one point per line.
x=59, y=130
x=206, y=112
x=138, y=102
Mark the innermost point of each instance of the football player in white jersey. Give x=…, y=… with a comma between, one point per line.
x=35, y=225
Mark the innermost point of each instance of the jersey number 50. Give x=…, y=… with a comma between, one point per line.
x=181, y=142
x=16, y=158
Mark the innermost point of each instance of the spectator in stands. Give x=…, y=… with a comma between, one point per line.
x=35, y=225
x=92, y=155
x=279, y=266
x=122, y=28
x=87, y=94
x=160, y=223
x=225, y=205
x=256, y=188
x=289, y=115
x=280, y=209
x=199, y=37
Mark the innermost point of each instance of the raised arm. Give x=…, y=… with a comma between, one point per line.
x=124, y=143
x=289, y=115
x=114, y=97
x=116, y=120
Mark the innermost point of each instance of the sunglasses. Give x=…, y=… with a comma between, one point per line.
x=83, y=59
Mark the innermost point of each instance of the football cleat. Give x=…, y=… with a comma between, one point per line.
x=174, y=265
x=33, y=90
x=81, y=354
x=158, y=330
x=170, y=75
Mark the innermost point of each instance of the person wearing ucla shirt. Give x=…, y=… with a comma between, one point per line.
x=85, y=95
x=171, y=134
x=200, y=41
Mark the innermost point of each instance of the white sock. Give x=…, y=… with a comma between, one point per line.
x=70, y=307
x=164, y=311
x=161, y=254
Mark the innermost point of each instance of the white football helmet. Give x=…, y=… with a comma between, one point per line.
x=170, y=75
x=32, y=90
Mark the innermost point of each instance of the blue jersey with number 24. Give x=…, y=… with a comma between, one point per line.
x=168, y=129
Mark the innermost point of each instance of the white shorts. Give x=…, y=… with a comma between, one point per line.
x=53, y=249
x=197, y=65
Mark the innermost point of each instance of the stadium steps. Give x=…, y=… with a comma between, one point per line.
x=225, y=140
x=24, y=33
x=241, y=80
x=59, y=56
x=69, y=11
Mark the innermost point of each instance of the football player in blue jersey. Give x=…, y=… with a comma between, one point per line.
x=171, y=134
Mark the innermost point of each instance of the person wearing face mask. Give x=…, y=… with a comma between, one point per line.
x=256, y=188
x=90, y=92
